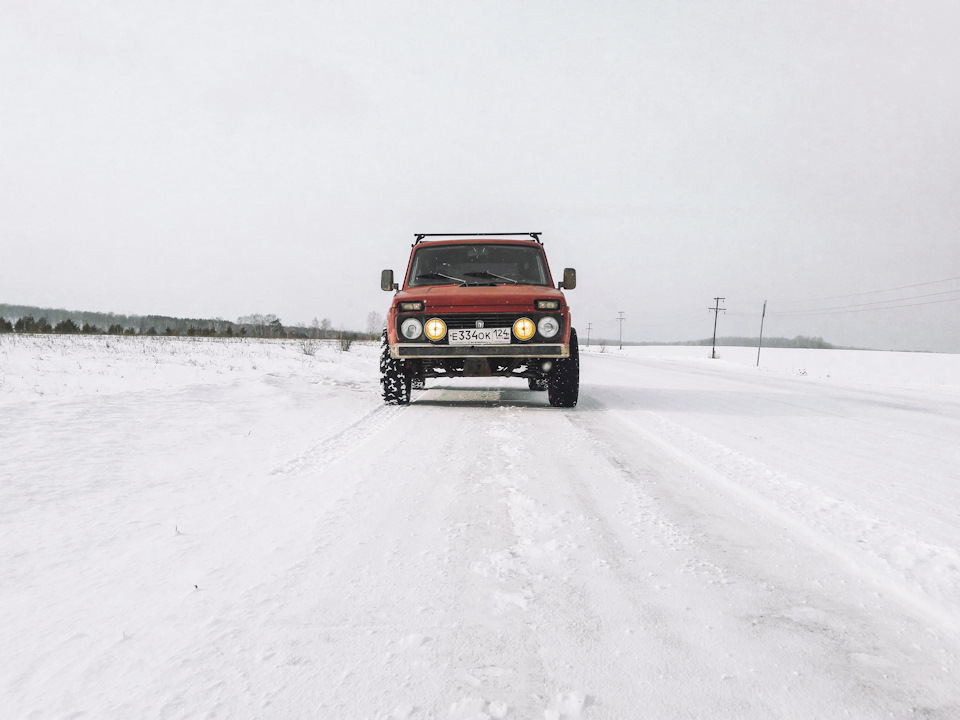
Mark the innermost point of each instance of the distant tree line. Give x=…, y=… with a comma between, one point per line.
x=26, y=319
x=21, y=319
x=800, y=341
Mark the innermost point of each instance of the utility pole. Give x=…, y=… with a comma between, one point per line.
x=716, y=313
x=760, y=344
x=620, y=320
x=589, y=325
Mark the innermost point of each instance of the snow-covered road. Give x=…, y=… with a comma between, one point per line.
x=242, y=530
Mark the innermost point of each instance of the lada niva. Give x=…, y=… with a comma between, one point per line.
x=479, y=305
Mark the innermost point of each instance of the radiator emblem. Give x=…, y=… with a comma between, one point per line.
x=479, y=324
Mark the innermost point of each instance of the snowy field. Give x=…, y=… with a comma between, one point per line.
x=208, y=528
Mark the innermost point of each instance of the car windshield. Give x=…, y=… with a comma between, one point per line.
x=478, y=264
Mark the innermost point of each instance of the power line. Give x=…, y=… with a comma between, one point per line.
x=863, y=305
x=872, y=292
x=866, y=309
x=681, y=319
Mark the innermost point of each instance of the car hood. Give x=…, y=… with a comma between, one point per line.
x=437, y=297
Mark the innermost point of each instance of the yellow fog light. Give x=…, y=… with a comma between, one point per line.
x=435, y=329
x=524, y=328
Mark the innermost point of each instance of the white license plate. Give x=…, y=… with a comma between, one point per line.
x=479, y=336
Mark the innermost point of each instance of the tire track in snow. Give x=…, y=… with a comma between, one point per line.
x=865, y=543
x=831, y=617
x=346, y=441
x=512, y=576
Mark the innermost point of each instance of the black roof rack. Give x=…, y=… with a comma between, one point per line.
x=421, y=236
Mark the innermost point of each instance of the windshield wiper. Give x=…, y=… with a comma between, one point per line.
x=439, y=276
x=488, y=274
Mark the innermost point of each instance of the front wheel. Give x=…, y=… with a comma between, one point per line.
x=394, y=379
x=563, y=382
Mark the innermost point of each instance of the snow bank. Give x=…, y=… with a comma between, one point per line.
x=868, y=367
x=33, y=366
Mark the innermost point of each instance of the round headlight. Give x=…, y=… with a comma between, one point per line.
x=435, y=329
x=548, y=326
x=524, y=328
x=411, y=328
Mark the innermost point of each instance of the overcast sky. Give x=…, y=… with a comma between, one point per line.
x=210, y=159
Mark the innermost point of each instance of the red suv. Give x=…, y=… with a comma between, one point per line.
x=479, y=306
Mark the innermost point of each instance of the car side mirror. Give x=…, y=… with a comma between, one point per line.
x=386, y=281
x=569, y=279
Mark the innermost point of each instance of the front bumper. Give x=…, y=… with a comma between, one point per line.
x=409, y=351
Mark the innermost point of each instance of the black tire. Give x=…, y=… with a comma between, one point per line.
x=394, y=379
x=563, y=382
x=537, y=383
